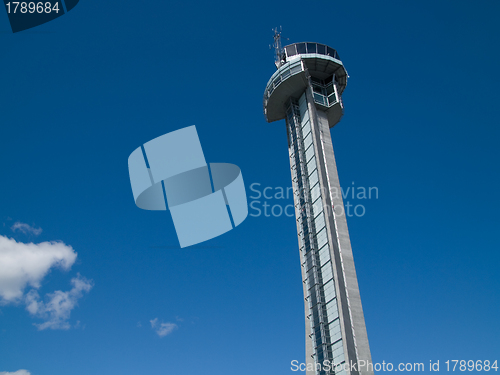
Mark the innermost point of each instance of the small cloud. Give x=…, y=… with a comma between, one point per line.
x=23, y=264
x=163, y=329
x=27, y=264
x=57, y=308
x=139, y=325
x=179, y=319
x=25, y=228
x=18, y=372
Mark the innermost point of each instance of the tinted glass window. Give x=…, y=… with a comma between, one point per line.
x=311, y=47
x=321, y=49
x=290, y=50
x=330, y=51
x=296, y=68
x=301, y=47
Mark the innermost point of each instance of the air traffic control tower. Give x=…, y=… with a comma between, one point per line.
x=306, y=91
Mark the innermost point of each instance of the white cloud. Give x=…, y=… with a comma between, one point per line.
x=27, y=264
x=18, y=372
x=25, y=228
x=57, y=308
x=163, y=329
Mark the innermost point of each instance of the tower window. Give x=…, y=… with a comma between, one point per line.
x=311, y=47
x=291, y=50
x=301, y=47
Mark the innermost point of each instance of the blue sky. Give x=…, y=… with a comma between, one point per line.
x=80, y=93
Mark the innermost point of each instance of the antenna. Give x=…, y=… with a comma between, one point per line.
x=278, y=51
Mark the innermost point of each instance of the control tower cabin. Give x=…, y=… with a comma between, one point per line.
x=306, y=91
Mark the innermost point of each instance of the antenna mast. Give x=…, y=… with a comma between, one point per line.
x=277, y=47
